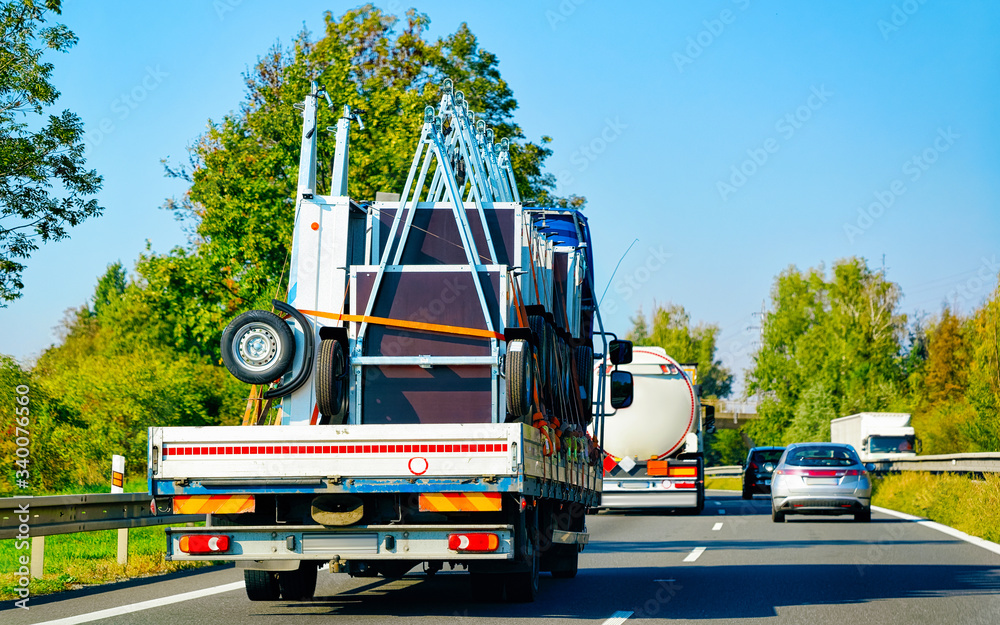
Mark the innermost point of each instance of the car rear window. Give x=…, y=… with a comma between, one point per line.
x=767, y=455
x=821, y=457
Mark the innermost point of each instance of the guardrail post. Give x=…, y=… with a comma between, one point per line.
x=37, y=556
x=117, y=486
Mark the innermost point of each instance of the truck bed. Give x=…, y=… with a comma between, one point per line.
x=364, y=459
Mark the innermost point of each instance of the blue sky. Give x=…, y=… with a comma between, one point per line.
x=732, y=138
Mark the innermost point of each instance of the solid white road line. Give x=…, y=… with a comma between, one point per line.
x=691, y=557
x=944, y=529
x=618, y=618
x=145, y=605
x=717, y=527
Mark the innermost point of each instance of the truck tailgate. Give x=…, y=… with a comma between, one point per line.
x=369, y=451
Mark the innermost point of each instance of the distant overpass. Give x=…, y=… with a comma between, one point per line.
x=733, y=420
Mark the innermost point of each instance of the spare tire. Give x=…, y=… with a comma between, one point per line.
x=331, y=382
x=258, y=347
x=517, y=371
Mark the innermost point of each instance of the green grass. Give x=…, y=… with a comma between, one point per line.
x=972, y=506
x=76, y=560
x=724, y=483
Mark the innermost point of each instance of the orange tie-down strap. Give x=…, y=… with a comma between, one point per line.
x=409, y=325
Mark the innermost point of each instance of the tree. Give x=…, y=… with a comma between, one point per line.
x=670, y=328
x=113, y=376
x=841, y=336
x=984, y=376
x=36, y=155
x=243, y=170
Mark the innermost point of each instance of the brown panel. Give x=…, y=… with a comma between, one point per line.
x=410, y=394
x=434, y=238
x=446, y=298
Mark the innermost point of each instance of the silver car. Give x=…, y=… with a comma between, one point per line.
x=821, y=478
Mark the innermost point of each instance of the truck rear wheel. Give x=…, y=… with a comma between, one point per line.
x=261, y=585
x=298, y=584
x=486, y=587
x=522, y=585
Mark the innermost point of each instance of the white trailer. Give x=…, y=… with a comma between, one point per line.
x=433, y=371
x=876, y=435
x=655, y=455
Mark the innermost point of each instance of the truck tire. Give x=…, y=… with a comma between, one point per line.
x=522, y=585
x=486, y=587
x=331, y=382
x=257, y=347
x=517, y=370
x=261, y=585
x=299, y=584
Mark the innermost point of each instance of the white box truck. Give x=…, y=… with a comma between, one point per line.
x=876, y=435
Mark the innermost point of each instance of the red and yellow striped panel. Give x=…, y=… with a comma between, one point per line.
x=460, y=502
x=213, y=504
x=690, y=471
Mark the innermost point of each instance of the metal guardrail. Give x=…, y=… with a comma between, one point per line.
x=983, y=462
x=68, y=514
x=728, y=471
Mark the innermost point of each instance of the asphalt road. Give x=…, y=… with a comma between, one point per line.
x=816, y=570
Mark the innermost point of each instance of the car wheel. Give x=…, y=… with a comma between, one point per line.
x=747, y=494
x=865, y=516
x=777, y=516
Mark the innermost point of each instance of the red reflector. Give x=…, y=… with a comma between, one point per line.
x=202, y=543
x=684, y=484
x=473, y=542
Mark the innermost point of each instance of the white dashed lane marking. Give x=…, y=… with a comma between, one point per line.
x=694, y=555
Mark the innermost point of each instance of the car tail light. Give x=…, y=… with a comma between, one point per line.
x=857, y=472
x=202, y=543
x=473, y=542
x=813, y=472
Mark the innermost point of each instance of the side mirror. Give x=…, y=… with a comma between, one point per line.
x=870, y=466
x=620, y=352
x=621, y=389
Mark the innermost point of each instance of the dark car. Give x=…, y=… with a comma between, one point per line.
x=757, y=470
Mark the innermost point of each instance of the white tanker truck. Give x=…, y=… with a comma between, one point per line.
x=653, y=447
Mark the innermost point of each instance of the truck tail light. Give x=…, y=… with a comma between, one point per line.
x=689, y=471
x=657, y=467
x=202, y=543
x=473, y=542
